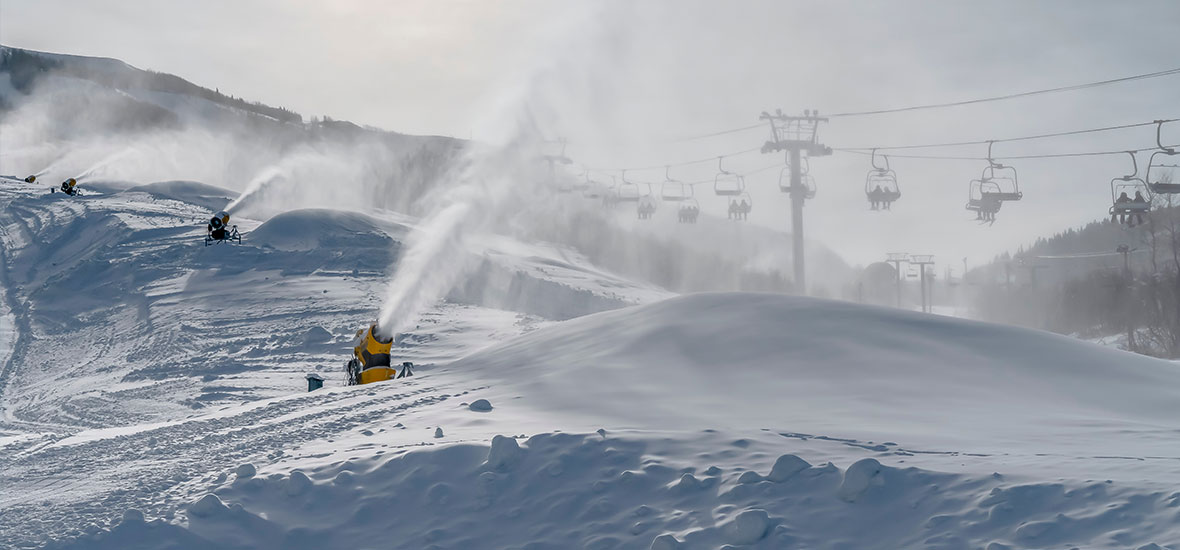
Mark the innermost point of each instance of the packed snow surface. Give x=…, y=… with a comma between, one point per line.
x=154, y=397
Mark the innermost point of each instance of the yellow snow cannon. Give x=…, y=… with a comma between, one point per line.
x=70, y=187
x=371, y=359
x=31, y=179
x=219, y=230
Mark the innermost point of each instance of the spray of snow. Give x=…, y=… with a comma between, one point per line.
x=105, y=163
x=494, y=187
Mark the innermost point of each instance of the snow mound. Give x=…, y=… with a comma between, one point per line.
x=206, y=196
x=316, y=228
x=828, y=367
x=620, y=492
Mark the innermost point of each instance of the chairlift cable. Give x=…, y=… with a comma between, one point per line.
x=1074, y=87
x=1071, y=88
x=1003, y=140
x=1012, y=157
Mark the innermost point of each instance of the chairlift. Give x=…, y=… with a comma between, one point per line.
x=1004, y=178
x=673, y=190
x=727, y=184
x=806, y=180
x=996, y=185
x=981, y=199
x=688, y=210
x=646, y=204
x=592, y=189
x=1163, y=180
x=881, y=185
x=1130, y=196
x=627, y=191
x=610, y=195
x=740, y=206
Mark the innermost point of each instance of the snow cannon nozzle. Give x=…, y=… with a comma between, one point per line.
x=31, y=179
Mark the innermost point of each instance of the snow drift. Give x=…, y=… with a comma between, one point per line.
x=733, y=360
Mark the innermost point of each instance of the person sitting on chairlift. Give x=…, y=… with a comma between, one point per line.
x=876, y=197
x=1120, y=214
x=744, y=209
x=1138, y=214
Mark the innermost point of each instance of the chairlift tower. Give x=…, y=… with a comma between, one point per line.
x=923, y=260
x=795, y=135
x=897, y=258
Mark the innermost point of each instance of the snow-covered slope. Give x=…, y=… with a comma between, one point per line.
x=126, y=317
x=748, y=420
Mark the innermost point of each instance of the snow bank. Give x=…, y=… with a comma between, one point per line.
x=317, y=228
x=558, y=491
x=207, y=196
x=745, y=361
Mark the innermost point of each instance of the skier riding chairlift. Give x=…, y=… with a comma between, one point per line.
x=1130, y=219
x=877, y=198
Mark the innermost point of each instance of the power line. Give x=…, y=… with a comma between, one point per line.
x=1022, y=138
x=1157, y=74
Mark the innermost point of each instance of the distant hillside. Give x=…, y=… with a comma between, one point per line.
x=25, y=67
x=1072, y=253
x=67, y=114
x=1076, y=282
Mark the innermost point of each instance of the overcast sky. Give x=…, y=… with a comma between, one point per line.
x=632, y=76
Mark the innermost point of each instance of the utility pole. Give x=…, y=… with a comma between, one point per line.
x=796, y=135
x=923, y=260
x=897, y=258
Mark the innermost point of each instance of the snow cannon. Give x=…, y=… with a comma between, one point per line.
x=371, y=359
x=31, y=179
x=70, y=187
x=219, y=230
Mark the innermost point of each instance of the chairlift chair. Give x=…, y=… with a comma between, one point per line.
x=806, y=180
x=688, y=210
x=1006, y=186
x=981, y=196
x=646, y=205
x=884, y=179
x=627, y=191
x=1163, y=180
x=592, y=189
x=726, y=183
x=673, y=190
x=740, y=206
x=1130, y=195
